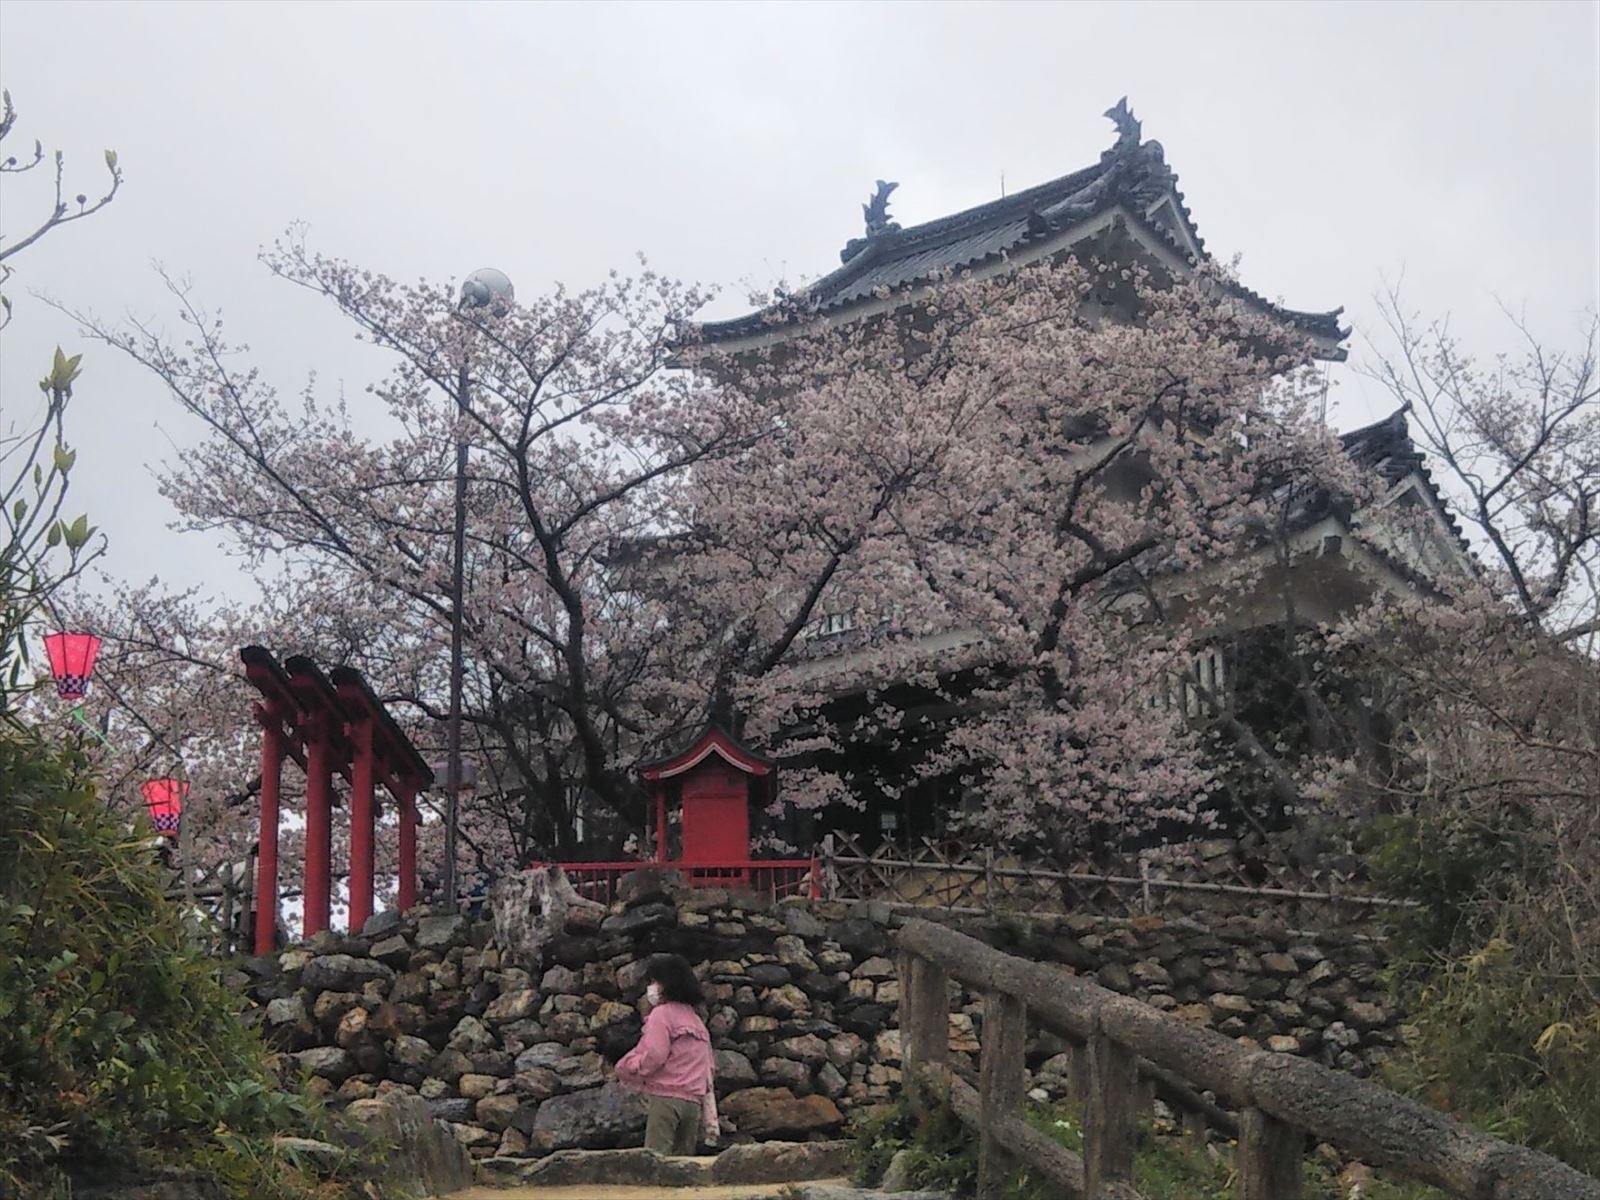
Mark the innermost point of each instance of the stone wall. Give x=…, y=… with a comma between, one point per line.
x=516, y=1055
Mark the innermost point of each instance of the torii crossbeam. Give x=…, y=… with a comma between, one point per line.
x=330, y=727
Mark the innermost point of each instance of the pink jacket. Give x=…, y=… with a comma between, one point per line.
x=673, y=1057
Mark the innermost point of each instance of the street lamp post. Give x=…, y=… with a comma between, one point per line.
x=483, y=288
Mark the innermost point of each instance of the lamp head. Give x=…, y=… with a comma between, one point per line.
x=488, y=288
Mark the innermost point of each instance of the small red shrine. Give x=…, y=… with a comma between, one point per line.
x=714, y=781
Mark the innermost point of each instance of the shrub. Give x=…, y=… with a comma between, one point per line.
x=119, y=1047
x=944, y=1153
x=1502, y=981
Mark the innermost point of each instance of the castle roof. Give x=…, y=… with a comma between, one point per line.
x=1131, y=181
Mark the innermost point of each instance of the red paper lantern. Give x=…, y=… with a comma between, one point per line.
x=72, y=662
x=164, y=798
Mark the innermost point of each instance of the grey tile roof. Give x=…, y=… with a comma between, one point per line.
x=1133, y=174
x=1386, y=447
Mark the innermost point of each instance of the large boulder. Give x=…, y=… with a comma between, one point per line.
x=328, y=1062
x=495, y=1112
x=560, y=981
x=860, y=937
x=733, y=1072
x=808, y=1048
x=598, y=1119
x=471, y=1035
x=289, y=1027
x=801, y=923
x=531, y=909
x=454, y=1109
x=382, y=924
x=616, y=1040
x=769, y=975
x=613, y=1168
x=782, y=1162
x=542, y=1054
x=342, y=973
x=392, y=951
x=441, y=932
x=412, y=1051
x=650, y=885
x=512, y=1006
x=420, y=1150
x=777, y=1112
x=643, y=919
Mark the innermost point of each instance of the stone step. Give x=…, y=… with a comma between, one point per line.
x=593, y=1191
x=827, y=1189
x=755, y=1163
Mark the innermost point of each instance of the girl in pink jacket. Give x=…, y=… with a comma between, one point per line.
x=672, y=1064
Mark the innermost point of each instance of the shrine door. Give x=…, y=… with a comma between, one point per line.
x=716, y=823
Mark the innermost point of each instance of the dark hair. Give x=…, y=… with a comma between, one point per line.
x=676, y=978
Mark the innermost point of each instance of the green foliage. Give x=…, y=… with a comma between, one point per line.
x=1448, y=870
x=944, y=1154
x=40, y=550
x=118, y=1044
x=1171, y=1167
x=1502, y=998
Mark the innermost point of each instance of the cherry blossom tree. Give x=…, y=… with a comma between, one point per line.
x=574, y=421
x=1518, y=439
x=1034, y=494
x=1033, y=491
x=1493, y=779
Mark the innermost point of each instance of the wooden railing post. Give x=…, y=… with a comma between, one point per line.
x=1110, y=1125
x=1269, y=1157
x=924, y=1021
x=1283, y=1101
x=1002, y=1083
x=1078, y=1057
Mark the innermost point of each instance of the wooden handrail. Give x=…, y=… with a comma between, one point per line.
x=1280, y=1098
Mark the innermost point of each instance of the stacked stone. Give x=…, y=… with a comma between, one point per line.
x=801, y=1003
x=1318, y=996
x=517, y=1061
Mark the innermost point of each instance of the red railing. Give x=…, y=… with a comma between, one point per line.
x=776, y=878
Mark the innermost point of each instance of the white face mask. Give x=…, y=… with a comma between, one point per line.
x=653, y=993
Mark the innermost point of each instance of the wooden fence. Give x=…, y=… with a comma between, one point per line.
x=219, y=905
x=1278, y=1101
x=974, y=877
x=774, y=878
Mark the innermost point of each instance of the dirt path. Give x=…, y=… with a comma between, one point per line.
x=594, y=1191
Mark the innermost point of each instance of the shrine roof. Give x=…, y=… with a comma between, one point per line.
x=1131, y=178
x=712, y=739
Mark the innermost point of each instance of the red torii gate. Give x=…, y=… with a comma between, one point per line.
x=329, y=727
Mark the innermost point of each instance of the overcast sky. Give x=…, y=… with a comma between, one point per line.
x=1330, y=145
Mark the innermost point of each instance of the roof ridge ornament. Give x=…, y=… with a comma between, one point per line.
x=1128, y=129
x=876, y=210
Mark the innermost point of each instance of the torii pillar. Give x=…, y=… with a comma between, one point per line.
x=330, y=727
